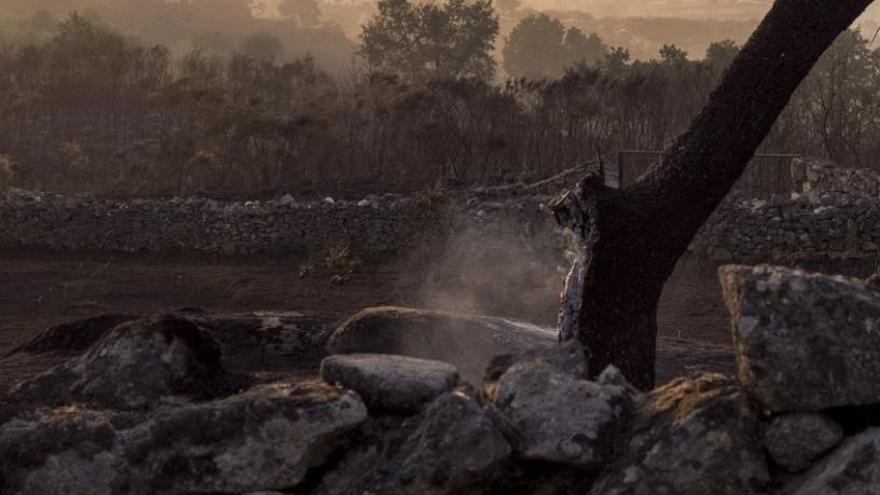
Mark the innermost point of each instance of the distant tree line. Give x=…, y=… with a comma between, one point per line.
x=84, y=109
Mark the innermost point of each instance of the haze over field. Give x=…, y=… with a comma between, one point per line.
x=641, y=26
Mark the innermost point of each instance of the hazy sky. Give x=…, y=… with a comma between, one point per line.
x=693, y=9
x=690, y=9
x=720, y=9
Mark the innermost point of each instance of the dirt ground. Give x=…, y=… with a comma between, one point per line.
x=40, y=289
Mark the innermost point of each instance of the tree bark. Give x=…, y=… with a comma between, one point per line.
x=626, y=243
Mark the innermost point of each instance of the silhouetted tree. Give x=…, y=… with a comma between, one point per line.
x=840, y=99
x=580, y=48
x=616, y=60
x=720, y=54
x=426, y=41
x=89, y=61
x=673, y=55
x=629, y=240
x=540, y=46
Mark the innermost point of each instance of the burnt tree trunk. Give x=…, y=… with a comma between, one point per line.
x=627, y=242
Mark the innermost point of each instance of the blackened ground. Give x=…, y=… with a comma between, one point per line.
x=41, y=289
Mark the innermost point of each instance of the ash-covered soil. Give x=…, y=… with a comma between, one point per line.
x=41, y=289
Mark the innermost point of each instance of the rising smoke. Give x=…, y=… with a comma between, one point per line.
x=501, y=263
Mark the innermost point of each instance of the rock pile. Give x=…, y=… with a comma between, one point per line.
x=149, y=408
x=808, y=348
x=154, y=404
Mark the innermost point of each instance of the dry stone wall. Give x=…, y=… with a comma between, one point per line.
x=821, y=180
x=791, y=231
x=375, y=224
x=837, y=216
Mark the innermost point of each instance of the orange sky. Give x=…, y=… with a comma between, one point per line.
x=699, y=9
x=691, y=9
x=717, y=9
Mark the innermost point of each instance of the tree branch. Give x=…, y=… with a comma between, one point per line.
x=704, y=163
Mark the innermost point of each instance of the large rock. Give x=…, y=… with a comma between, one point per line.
x=454, y=446
x=852, y=469
x=804, y=342
x=134, y=366
x=260, y=340
x=690, y=437
x=466, y=341
x=264, y=439
x=76, y=335
x=560, y=417
x=387, y=382
x=61, y=452
x=794, y=440
x=266, y=339
x=569, y=357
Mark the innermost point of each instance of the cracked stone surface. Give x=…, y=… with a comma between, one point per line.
x=692, y=436
x=264, y=439
x=558, y=417
x=804, y=341
x=453, y=446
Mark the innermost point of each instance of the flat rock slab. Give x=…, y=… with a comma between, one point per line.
x=467, y=341
x=804, y=341
x=388, y=382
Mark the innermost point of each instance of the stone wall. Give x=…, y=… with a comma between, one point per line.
x=834, y=214
x=375, y=224
x=748, y=230
x=821, y=181
x=837, y=217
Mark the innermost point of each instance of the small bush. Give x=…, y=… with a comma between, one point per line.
x=338, y=258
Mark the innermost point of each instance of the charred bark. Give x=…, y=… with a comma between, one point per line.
x=625, y=243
